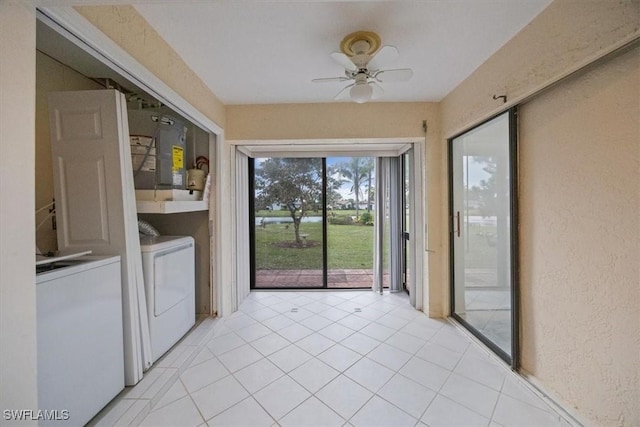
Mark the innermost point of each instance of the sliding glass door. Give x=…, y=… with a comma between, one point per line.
x=288, y=210
x=483, y=211
x=312, y=222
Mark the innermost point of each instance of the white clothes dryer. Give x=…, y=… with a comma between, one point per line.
x=169, y=277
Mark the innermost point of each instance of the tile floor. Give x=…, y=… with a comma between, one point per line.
x=341, y=358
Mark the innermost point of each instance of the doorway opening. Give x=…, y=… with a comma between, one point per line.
x=312, y=222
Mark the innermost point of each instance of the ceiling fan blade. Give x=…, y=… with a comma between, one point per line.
x=398, y=75
x=344, y=93
x=331, y=79
x=385, y=55
x=343, y=60
x=377, y=90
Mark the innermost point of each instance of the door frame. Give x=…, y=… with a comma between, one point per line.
x=514, y=359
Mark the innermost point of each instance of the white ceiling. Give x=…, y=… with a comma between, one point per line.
x=267, y=51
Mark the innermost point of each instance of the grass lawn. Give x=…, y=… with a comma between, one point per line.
x=349, y=247
x=279, y=214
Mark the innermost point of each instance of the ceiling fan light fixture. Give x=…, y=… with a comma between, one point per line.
x=361, y=92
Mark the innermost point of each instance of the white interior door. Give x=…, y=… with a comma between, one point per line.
x=95, y=200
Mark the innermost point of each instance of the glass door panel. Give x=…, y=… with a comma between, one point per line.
x=288, y=235
x=483, y=238
x=350, y=232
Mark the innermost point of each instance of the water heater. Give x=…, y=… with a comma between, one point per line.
x=157, y=150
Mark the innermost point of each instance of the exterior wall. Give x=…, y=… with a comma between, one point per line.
x=372, y=120
x=579, y=195
x=126, y=27
x=50, y=76
x=580, y=240
x=18, y=359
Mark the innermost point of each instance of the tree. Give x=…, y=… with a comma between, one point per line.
x=296, y=184
x=356, y=170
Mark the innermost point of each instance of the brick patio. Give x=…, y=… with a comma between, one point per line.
x=313, y=279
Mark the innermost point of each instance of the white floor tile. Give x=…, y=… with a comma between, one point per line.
x=112, y=413
x=278, y=322
x=369, y=374
x=203, y=374
x=405, y=342
x=175, y=392
x=316, y=322
x=407, y=395
x=253, y=332
x=281, y=396
x=389, y=356
x=258, y=375
x=439, y=355
x=289, y=358
x=240, y=357
x=238, y=322
x=182, y=412
x=295, y=332
x=486, y=372
x=471, y=394
x=451, y=339
x=315, y=344
x=339, y=357
x=312, y=413
x=515, y=389
x=360, y=343
x=514, y=413
x=202, y=356
x=244, y=414
x=379, y=412
x=317, y=307
x=219, y=396
x=377, y=331
x=250, y=368
x=344, y=396
x=270, y=344
x=392, y=321
x=419, y=330
x=353, y=322
x=264, y=314
x=444, y=412
x=314, y=375
x=425, y=373
x=334, y=314
x=221, y=344
x=336, y=332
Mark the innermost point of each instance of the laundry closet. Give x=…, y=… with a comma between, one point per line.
x=163, y=195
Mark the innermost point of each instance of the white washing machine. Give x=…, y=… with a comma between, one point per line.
x=169, y=279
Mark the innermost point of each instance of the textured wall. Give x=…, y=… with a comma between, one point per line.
x=567, y=34
x=50, y=76
x=580, y=241
x=18, y=359
x=579, y=200
x=126, y=27
x=335, y=120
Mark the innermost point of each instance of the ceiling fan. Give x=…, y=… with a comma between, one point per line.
x=362, y=59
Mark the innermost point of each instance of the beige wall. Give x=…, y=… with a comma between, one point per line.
x=50, y=76
x=336, y=120
x=580, y=241
x=372, y=120
x=579, y=197
x=126, y=27
x=18, y=362
x=564, y=36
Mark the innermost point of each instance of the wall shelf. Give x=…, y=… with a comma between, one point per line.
x=171, y=206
